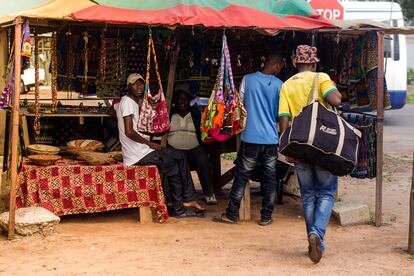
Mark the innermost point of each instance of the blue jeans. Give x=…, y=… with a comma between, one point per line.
x=317, y=188
x=249, y=157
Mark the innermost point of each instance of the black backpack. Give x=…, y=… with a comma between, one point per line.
x=320, y=136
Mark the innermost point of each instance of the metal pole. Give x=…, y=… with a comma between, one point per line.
x=380, y=130
x=15, y=123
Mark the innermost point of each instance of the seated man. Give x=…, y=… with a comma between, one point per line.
x=185, y=135
x=136, y=150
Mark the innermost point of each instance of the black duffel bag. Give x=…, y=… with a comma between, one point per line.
x=320, y=136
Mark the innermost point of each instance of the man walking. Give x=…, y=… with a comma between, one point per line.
x=259, y=141
x=317, y=186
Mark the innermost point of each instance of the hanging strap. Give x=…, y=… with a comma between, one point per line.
x=313, y=94
x=228, y=61
x=151, y=48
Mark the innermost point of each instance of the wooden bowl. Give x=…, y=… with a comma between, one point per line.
x=44, y=159
x=42, y=149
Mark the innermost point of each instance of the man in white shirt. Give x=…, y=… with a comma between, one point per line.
x=136, y=150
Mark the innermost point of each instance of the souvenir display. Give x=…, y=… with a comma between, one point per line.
x=112, y=73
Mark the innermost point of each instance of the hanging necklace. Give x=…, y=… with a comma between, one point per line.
x=36, y=125
x=54, y=72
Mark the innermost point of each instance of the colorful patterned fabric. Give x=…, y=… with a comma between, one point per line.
x=306, y=54
x=263, y=14
x=225, y=114
x=71, y=187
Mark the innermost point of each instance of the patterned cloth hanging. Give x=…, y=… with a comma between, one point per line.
x=26, y=46
x=225, y=114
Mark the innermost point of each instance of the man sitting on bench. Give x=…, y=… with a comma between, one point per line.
x=136, y=150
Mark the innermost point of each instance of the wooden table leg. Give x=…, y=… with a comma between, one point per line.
x=145, y=215
x=244, y=212
x=216, y=163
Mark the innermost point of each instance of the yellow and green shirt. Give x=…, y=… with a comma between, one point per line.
x=294, y=94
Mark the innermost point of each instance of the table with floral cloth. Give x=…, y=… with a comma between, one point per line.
x=73, y=187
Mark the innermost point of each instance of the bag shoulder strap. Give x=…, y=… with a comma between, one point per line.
x=151, y=48
x=313, y=94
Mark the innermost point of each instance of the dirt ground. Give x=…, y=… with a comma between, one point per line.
x=114, y=243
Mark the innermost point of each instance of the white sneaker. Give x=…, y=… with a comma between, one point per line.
x=211, y=200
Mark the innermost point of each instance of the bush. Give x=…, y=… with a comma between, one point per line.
x=410, y=76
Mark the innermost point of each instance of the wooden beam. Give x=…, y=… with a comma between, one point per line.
x=411, y=223
x=227, y=176
x=25, y=131
x=380, y=130
x=15, y=123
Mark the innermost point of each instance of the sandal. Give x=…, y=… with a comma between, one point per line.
x=190, y=214
x=223, y=219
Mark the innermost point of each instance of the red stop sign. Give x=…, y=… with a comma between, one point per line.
x=330, y=9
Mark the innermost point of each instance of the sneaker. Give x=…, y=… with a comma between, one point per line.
x=315, y=248
x=211, y=200
x=265, y=222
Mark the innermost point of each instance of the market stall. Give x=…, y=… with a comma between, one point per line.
x=96, y=44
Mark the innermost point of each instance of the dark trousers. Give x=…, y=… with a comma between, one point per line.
x=198, y=160
x=173, y=164
x=248, y=158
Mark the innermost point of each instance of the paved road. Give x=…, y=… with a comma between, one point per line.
x=399, y=129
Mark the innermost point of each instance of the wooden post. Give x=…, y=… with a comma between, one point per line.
x=244, y=211
x=411, y=224
x=15, y=123
x=145, y=215
x=380, y=130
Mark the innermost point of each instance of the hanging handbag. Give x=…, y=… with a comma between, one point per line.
x=225, y=114
x=319, y=135
x=153, y=117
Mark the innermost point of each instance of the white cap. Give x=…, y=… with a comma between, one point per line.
x=132, y=78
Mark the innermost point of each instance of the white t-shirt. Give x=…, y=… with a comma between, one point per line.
x=132, y=151
x=182, y=134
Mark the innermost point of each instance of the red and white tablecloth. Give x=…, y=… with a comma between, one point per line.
x=72, y=187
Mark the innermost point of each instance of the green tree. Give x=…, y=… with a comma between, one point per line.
x=408, y=9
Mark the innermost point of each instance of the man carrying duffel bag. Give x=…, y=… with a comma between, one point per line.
x=317, y=185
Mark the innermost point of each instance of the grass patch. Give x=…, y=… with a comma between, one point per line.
x=410, y=98
x=229, y=156
x=400, y=161
x=371, y=218
x=411, y=258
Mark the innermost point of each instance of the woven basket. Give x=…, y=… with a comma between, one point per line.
x=78, y=146
x=96, y=158
x=44, y=159
x=42, y=149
